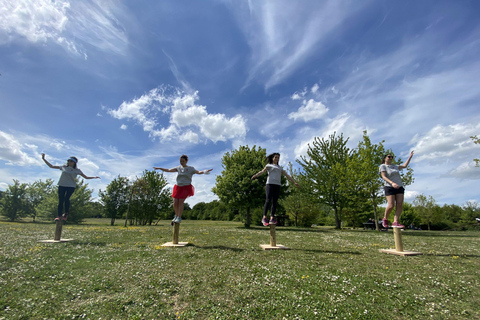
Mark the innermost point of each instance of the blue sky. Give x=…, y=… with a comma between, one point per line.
x=128, y=85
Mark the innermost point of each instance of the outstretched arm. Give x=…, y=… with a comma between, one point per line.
x=290, y=178
x=403, y=166
x=258, y=174
x=165, y=170
x=48, y=163
x=204, y=171
x=83, y=175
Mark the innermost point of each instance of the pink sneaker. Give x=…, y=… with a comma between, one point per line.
x=265, y=221
x=385, y=223
x=397, y=225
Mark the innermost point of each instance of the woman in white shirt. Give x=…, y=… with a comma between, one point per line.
x=394, y=191
x=272, y=188
x=66, y=184
x=184, y=188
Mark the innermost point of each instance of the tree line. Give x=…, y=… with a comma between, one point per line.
x=339, y=186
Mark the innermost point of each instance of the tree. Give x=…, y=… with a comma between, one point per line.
x=37, y=192
x=471, y=210
x=15, y=204
x=115, y=198
x=476, y=140
x=150, y=198
x=234, y=186
x=425, y=207
x=324, y=169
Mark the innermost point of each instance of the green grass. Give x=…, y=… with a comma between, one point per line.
x=124, y=273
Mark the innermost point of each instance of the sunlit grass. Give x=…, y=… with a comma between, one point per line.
x=112, y=272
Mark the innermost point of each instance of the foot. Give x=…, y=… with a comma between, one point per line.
x=58, y=218
x=273, y=220
x=64, y=217
x=173, y=221
x=178, y=220
x=265, y=221
x=397, y=225
x=385, y=223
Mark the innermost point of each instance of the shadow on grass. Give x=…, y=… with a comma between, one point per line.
x=89, y=243
x=438, y=234
x=452, y=254
x=328, y=251
x=218, y=247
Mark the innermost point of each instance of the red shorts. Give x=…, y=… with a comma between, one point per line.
x=183, y=192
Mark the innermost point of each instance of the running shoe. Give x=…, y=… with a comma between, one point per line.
x=273, y=220
x=265, y=221
x=64, y=217
x=173, y=221
x=397, y=225
x=178, y=220
x=385, y=223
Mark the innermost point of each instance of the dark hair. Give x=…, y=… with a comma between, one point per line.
x=270, y=157
x=385, y=157
x=184, y=156
x=74, y=163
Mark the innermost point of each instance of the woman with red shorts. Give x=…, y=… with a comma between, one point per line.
x=184, y=188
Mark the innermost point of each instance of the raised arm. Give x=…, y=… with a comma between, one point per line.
x=165, y=170
x=290, y=178
x=204, y=171
x=403, y=166
x=48, y=163
x=258, y=174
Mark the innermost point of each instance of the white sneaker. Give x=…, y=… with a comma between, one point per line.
x=177, y=220
x=173, y=220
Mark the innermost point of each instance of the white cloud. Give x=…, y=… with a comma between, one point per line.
x=124, y=127
x=447, y=142
x=314, y=89
x=65, y=23
x=309, y=111
x=184, y=113
x=15, y=152
x=465, y=171
x=299, y=95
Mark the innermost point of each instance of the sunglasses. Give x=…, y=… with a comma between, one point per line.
x=390, y=157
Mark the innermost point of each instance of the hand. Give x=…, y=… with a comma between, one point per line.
x=395, y=185
x=411, y=154
x=207, y=171
x=298, y=186
x=253, y=177
x=156, y=168
x=43, y=156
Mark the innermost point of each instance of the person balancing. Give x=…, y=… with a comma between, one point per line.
x=184, y=188
x=66, y=184
x=272, y=188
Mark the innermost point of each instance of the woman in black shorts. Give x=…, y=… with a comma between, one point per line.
x=394, y=191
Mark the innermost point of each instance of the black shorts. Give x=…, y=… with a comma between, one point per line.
x=390, y=191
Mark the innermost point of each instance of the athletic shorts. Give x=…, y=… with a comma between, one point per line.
x=183, y=192
x=390, y=191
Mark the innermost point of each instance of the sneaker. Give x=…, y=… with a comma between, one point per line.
x=64, y=217
x=397, y=225
x=173, y=221
x=273, y=220
x=265, y=221
x=178, y=220
x=385, y=223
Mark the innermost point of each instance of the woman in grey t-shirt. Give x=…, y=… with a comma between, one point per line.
x=272, y=189
x=183, y=188
x=394, y=191
x=66, y=184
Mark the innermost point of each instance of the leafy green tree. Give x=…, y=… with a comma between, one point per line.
x=15, y=203
x=425, y=207
x=115, y=198
x=37, y=192
x=150, y=198
x=471, y=210
x=234, y=186
x=324, y=170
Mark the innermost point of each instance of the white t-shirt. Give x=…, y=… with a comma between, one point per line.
x=184, y=177
x=393, y=173
x=67, y=179
x=274, y=174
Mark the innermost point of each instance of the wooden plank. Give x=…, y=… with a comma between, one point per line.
x=400, y=253
x=270, y=247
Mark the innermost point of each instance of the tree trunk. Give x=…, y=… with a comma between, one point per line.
x=337, y=220
x=375, y=216
x=248, y=218
x=112, y=221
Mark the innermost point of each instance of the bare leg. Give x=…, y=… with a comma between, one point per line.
x=180, y=207
x=399, y=206
x=390, y=205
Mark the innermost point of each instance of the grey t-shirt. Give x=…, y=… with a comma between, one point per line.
x=184, y=177
x=67, y=179
x=274, y=174
x=393, y=173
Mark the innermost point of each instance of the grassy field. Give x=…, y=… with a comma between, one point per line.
x=112, y=272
